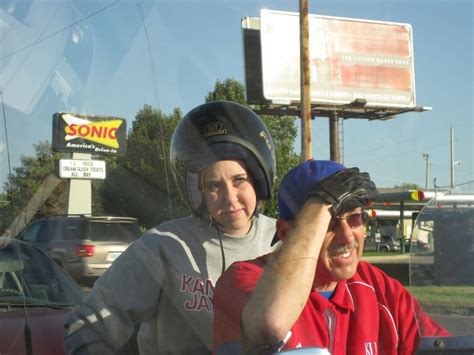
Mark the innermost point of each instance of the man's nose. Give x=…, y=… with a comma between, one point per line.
x=344, y=232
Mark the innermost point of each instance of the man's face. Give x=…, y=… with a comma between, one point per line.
x=229, y=196
x=342, y=249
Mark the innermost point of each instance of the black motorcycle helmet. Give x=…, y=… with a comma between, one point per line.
x=216, y=131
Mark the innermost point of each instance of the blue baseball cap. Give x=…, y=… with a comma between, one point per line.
x=300, y=181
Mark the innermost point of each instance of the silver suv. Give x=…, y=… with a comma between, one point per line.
x=84, y=246
x=387, y=244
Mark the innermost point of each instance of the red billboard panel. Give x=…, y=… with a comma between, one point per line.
x=349, y=59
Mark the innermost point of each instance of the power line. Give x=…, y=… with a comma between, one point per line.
x=456, y=185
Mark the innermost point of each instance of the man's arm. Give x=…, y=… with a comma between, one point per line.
x=287, y=280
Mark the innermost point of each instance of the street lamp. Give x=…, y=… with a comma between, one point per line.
x=453, y=162
x=457, y=162
x=427, y=159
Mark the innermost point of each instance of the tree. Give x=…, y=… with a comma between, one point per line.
x=26, y=181
x=6, y=215
x=32, y=179
x=229, y=90
x=282, y=129
x=408, y=186
x=140, y=183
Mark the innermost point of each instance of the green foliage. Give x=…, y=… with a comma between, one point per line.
x=26, y=180
x=408, y=186
x=229, y=90
x=6, y=213
x=452, y=300
x=282, y=129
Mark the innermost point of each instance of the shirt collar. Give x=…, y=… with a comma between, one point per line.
x=341, y=298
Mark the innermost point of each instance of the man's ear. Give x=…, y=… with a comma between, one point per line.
x=282, y=227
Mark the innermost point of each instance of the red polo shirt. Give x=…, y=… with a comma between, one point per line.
x=371, y=313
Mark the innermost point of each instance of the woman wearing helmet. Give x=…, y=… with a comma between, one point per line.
x=223, y=162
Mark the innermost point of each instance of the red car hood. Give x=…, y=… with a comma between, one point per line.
x=47, y=330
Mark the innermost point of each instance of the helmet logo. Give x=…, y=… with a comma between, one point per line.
x=264, y=135
x=214, y=129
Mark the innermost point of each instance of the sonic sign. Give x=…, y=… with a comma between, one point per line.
x=90, y=134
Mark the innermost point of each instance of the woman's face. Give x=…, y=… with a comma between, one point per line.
x=229, y=196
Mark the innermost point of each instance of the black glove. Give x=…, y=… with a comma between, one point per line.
x=345, y=190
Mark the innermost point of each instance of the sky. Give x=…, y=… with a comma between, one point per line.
x=113, y=57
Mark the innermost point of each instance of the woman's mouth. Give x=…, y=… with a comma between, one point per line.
x=233, y=213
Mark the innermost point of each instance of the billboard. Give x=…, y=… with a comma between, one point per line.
x=349, y=59
x=90, y=134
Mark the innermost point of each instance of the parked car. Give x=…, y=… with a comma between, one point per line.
x=388, y=243
x=36, y=297
x=84, y=246
x=418, y=246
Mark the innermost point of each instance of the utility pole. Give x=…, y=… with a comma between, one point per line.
x=306, y=149
x=453, y=163
x=452, y=156
x=427, y=174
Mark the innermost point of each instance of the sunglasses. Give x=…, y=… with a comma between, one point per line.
x=354, y=220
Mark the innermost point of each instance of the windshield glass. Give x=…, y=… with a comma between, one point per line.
x=442, y=260
x=113, y=231
x=28, y=276
x=92, y=93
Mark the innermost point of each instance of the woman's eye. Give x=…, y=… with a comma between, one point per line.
x=240, y=181
x=212, y=186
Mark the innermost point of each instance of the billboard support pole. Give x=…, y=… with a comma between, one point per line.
x=79, y=199
x=334, y=137
x=306, y=149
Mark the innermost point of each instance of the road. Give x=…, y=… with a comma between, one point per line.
x=458, y=325
x=398, y=259
x=388, y=259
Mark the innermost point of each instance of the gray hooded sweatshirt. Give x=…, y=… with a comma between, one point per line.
x=162, y=285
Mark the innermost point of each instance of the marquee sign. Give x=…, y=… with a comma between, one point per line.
x=82, y=169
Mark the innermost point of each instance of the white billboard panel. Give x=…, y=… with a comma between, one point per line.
x=349, y=59
x=81, y=169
